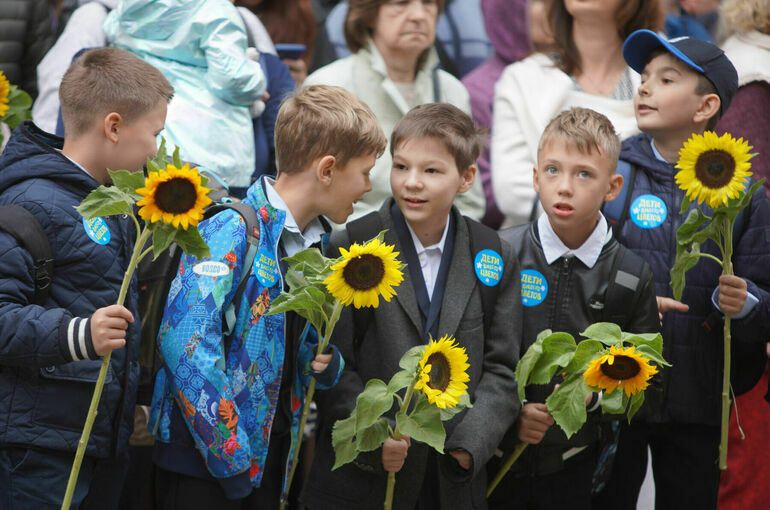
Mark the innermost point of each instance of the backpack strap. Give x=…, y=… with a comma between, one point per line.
x=22, y=225
x=360, y=231
x=623, y=286
x=616, y=212
x=249, y=215
x=484, y=238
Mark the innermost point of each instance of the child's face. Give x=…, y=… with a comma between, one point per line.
x=572, y=187
x=425, y=180
x=138, y=140
x=666, y=102
x=349, y=185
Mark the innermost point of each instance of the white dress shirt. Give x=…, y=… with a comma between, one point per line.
x=587, y=253
x=430, y=257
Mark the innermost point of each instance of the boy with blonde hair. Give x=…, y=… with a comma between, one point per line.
x=227, y=407
x=114, y=106
x=448, y=289
x=687, y=84
x=573, y=274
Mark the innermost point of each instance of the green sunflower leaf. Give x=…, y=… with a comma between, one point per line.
x=685, y=260
x=162, y=236
x=128, y=182
x=401, y=380
x=607, y=333
x=558, y=350
x=191, y=242
x=309, y=262
x=372, y=403
x=450, y=412
x=423, y=424
x=528, y=362
x=586, y=351
x=649, y=351
x=567, y=404
x=693, y=223
x=176, y=159
x=105, y=201
x=636, y=403
x=685, y=204
x=411, y=358
x=615, y=402
x=373, y=436
x=343, y=433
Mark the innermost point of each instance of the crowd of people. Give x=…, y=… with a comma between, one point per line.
x=457, y=126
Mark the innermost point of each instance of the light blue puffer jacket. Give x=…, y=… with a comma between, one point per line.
x=200, y=46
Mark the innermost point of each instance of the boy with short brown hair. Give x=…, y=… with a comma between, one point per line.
x=435, y=147
x=227, y=408
x=573, y=274
x=50, y=350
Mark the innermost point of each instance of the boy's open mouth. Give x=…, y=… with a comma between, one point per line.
x=414, y=202
x=563, y=209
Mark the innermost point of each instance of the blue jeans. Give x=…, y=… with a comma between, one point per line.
x=32, y=479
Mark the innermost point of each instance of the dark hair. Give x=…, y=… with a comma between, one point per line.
x=107, y=80
x=446, y=123
x=289, y=21
x=361, y=16
x=631, y=15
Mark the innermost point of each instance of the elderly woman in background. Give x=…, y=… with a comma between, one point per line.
x=587, y=70
x=393, y=69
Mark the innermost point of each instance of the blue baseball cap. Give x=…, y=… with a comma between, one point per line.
x=701, y=56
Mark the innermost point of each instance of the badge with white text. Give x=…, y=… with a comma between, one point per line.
x=266, y=268
x=534, y=287
x=210, y=268
x=97, y=230
x=648, y=211
x=489, y=267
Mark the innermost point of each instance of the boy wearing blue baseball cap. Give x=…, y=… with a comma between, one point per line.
x=686, y=86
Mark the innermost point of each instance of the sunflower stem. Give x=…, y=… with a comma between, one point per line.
x=517, y=451
x=727, y=236
x=396, y=434
x=92, y=410
x=710, y=256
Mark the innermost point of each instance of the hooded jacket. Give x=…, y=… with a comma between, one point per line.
x=44, y=391
x=200, y=46
x=693, y=385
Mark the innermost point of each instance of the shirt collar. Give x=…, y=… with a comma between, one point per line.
x=419, y=248
x=587, y=253
x=75, y=163
x=313, y=231
x=656, y=153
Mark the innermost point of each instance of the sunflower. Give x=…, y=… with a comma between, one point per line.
x=622, y=368
x=365, y=273
x=5, y=90
x=174, y=195
x=443, y=372
x=713, y=168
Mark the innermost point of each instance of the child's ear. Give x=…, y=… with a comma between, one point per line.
x=324, y=169
x=112, y=124
x=709, y=107
x=616, y=184
x=534, y=180
x=468, y=177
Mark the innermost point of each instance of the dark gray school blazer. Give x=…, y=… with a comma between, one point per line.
x=395, y=328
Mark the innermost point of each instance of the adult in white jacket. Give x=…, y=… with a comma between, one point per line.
x=587, y=70
x=393, y=69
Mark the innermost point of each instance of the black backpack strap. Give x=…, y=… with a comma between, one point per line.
x=22, y=225
x=484, y=238
x=249, y=216
x=360, y=231
x=623, y=287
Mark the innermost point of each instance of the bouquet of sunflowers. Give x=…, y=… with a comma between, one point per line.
x=609, y=361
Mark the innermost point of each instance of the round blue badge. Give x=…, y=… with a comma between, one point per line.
x=489, y=267
x=97, y=230
x=266, y=268
x=534, y=287
x=648, y=211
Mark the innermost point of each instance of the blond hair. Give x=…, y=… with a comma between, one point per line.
x=106, y=80
x=320, y=120
x=585, y=129
x=746, y=15
x=447, y=124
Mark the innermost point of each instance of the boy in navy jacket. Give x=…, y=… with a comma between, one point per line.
x=114, y=106
x=686, y=85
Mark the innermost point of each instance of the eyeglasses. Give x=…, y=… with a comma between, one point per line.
x=400, y=6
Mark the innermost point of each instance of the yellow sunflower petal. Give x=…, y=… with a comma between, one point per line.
x=173, y=195
x=628, y=370
x=443, y=372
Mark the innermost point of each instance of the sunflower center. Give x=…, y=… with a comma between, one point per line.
x=715, y=168
x=176, y=196
x=624, y=367
x=364, y=272
x=439, y=371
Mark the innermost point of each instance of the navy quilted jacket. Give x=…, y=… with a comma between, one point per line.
x=44, y=394
x=693, y=385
